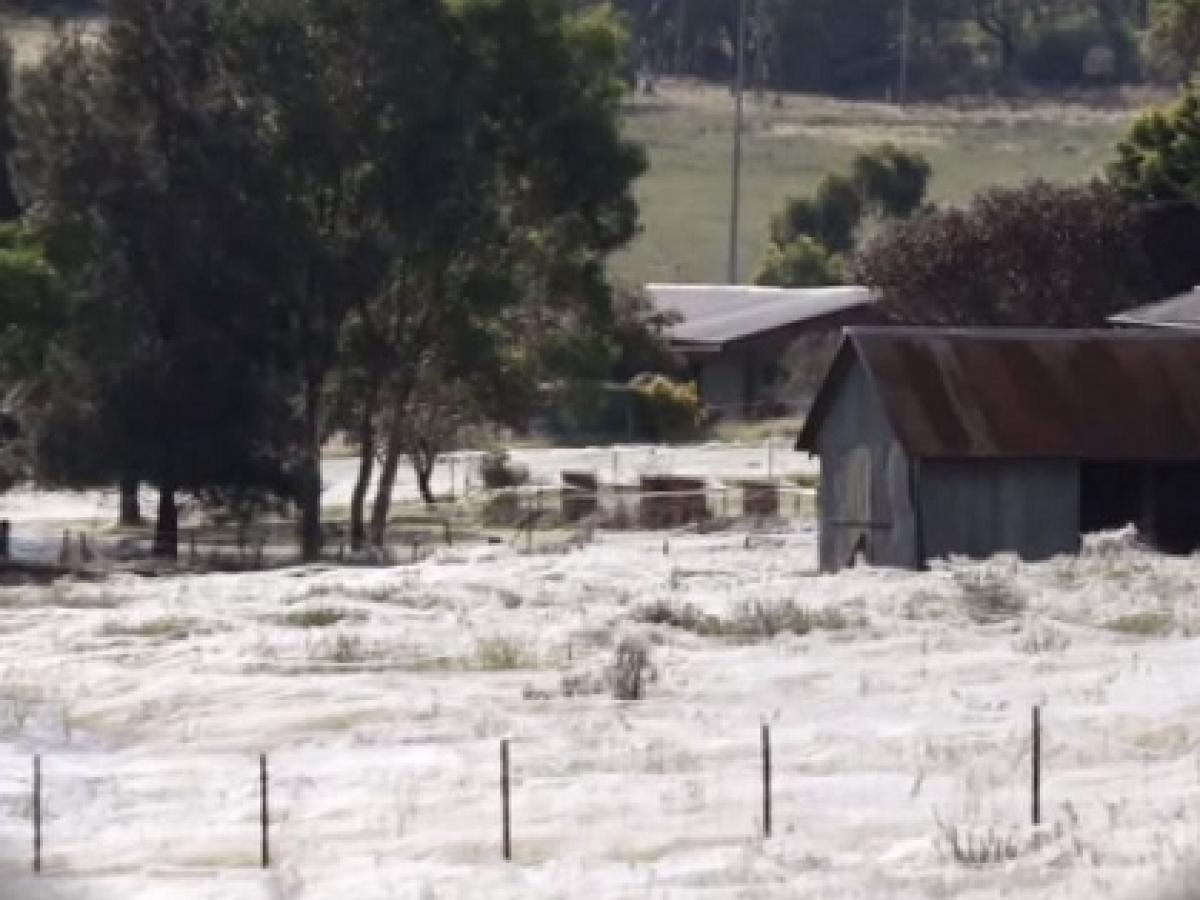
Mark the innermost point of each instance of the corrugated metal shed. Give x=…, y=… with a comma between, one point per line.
x=711, y=316
x=1087, y=395
x=1182, y=311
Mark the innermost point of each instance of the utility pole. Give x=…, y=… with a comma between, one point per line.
x=739, y=84
x=760, y=55
x=905, y=27
x=680, y=27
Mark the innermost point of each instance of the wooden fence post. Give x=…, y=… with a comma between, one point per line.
x=766, y=763
x=1037, y=766
x=505, y=808
x=37, y=814
x=264, y=810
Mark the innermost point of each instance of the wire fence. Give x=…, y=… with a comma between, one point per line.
x=96, y=812
x=530, y=518
x=572, y=494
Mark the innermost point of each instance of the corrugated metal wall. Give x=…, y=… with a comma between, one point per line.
x=864, y=496
x=982, y=507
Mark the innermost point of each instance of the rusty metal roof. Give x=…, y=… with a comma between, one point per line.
x=1100, y=395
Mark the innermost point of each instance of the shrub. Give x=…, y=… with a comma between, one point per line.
x=1041, y=255
x=630, y=668
x=314, y=617
x=502, y=654
x=498, y=470
x=750, y=621
x=341, y=648
x=974, y=847
x=810, y=236
x=891, y=181
x=988, y=598
x=829, y=217
x=1041, y=638
x=667, y=410
x=804, y=262
x=1143, y=624
x=167, y=628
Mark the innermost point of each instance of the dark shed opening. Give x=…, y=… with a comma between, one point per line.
x=1176, y=507
x=1162, y=501
x=1110, y=496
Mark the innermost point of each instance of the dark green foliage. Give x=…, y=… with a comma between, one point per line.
x=891, y=181
x=804, y=262
x=829, y=216
x=1159, y=159
x=1039, y=255
x=1170, y=234
x=34, y=308
x=666, y=410
x=639, y=333
x=34, y=305
x=853, y=46
x=1174, y=40
x=1158, y=167
x=1058, y=57
x=508, y=289
x=10, y=207
x=133, y=154
x=812, y=234
x=499, y=471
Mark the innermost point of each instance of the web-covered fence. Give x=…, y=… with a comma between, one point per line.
x=457, y=802
x=568, y=494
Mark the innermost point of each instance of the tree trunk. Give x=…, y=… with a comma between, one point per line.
x=166, y=526
x=423, y=461
x=309, y=487
x=383, y=491
x=393, y=451
x=131, y=512
x=366, y=467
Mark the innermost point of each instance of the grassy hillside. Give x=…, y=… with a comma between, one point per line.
x=789, y=145
x=687, y=130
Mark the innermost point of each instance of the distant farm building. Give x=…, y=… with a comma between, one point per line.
x=735, y=338
x=1181, y=313
x=936, y=443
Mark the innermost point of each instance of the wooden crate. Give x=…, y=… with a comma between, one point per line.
x=668, y=501
x=580, y=498
x=760, y=499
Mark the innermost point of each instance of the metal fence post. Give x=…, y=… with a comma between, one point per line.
x=505, y=808
x=1037, y=765
x=766, y=763
x=37, y=814
x=265, y=810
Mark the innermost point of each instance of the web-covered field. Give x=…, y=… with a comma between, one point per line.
x=900, y=725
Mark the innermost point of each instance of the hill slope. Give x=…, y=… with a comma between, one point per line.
x=688, y=131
